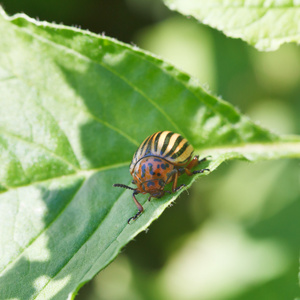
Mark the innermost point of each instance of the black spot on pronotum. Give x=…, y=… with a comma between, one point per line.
x=143, y=171
x=164, y=166
x=150, y=183
x=157, y=159
x=158, y=174
x=151, y=169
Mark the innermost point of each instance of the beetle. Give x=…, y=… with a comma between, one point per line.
x=159, y=160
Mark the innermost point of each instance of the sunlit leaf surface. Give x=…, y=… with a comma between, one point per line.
x=263, y=24
x=74, y=108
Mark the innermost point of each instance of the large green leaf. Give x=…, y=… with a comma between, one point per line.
x=74, y=108
x=263, y=24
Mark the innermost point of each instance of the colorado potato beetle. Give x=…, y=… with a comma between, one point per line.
x=159, y=160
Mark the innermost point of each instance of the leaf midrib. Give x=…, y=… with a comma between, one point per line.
x=80, y=172
x=291, y=146
x=251, y=146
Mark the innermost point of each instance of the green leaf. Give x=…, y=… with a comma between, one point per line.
x=263, y=24
x=74, y=108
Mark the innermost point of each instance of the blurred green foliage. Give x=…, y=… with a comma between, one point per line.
x=235, y=235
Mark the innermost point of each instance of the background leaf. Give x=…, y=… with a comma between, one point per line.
x=75, y=106
x=263, y=24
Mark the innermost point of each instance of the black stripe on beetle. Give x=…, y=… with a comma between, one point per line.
x=151, y=169
x=141, y=148
x=143, y=171
x=177, y=142
x=166, y=143
x=148, y=147
x=182, y=149
x=164, y=166
x=156, y=141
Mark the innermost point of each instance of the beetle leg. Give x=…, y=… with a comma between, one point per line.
x=174, y=186
x=200, y=171
x=194, y=162
x=190, y=173
x=170, y=174
x=139, y=206
x=203, y=159
x=180, y=187
x=174, y=173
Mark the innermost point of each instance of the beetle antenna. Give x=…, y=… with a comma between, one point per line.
x=123, y=186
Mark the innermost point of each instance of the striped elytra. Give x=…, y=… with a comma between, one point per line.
x=159, y=160
x=165, y=144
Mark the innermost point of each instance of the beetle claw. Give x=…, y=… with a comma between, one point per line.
x=200, y=171
x=134, y=217
x=203, y=159
x=180, y=187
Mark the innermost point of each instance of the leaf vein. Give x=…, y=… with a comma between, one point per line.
x=85, y=57
x=47, y=111
x=84, y=243
x=42, y=231
x=20, y=138
x=79, y=173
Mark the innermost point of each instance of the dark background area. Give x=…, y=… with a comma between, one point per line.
x=115, y=18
